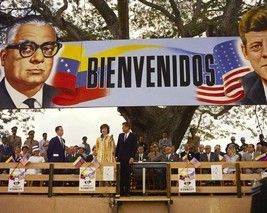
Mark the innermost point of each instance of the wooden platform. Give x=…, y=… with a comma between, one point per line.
x=120, y=200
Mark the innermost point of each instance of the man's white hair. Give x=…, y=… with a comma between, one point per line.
x=36, y=20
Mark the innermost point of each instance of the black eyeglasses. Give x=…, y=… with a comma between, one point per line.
x=28, y=48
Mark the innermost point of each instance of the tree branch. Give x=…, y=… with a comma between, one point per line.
x=159, y=8
x=225, y=109
x=75, y=32
x=62, y=9
x=109, y=16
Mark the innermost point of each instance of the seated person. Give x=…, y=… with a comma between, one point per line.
x=250, y=156
x=35, y=158
x=161, y=173
x=140, y=156
x=154, y=153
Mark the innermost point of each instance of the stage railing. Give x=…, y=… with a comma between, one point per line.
x=54, y=182
x=58, y=178
x=238, y=183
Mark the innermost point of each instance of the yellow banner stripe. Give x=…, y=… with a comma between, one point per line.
x=116, y=51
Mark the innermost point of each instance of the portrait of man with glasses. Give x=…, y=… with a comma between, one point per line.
x=27, y=61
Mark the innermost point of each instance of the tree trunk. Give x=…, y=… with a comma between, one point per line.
x=123, y=14
x=150, y=122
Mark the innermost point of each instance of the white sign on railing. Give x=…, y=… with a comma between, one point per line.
x=187, y=180
x=16, y=180
x=87, y=179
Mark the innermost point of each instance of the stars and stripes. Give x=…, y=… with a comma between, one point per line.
x=230, y=68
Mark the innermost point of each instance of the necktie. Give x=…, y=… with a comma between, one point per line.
x=140, y=157
x=61, y=141
x=30, y=102
x=125, y=137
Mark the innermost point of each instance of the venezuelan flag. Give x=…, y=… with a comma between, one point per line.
x=79, y=162
x=261, y=157
x=10, y=160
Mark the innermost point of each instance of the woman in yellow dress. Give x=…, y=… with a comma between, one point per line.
x=105, y=145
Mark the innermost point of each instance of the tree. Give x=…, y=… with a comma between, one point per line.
x=100, y=19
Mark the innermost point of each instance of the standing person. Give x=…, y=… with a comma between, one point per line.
x=164, y=141
x=243, y=144
x=13, y=139
x=28, y=60
x=5, y=150
x=86, y=145
x=125, y=152
x=56, y=147
x=262, y=141
x=142, y=142
x=30, y=141
x=105, y=145
x=42, y=142
x=194, y=140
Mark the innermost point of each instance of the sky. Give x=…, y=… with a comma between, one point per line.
x=76, y=123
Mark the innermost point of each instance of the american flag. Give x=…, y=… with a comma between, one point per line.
x=24, y=161
x=229, y=68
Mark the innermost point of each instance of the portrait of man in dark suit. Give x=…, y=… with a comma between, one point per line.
x=253, y=33
x=27, y=61
x=125, y=152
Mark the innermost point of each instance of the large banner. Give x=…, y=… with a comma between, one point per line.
x=149, y=72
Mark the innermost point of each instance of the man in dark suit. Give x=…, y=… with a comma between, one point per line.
x=5, y=150
x=125, y=153
x=140, y=155
x=208, y=156
x=252, y=30
x=56, y=147
x=92, y=156
x=190, y=154
x=56, y=151
x=161, y=173
x=26, y=67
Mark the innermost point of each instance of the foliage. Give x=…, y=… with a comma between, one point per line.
x=99, y=19
x=21, y=118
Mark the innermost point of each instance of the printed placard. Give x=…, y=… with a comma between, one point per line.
x=108, y=173
x=16, y=180
x=87, y=179
x=187, y=180
x=216, y=172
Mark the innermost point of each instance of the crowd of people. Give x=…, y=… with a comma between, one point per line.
x=129, y=149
